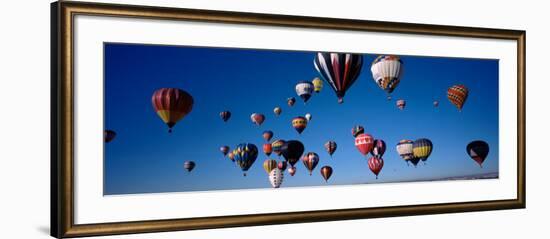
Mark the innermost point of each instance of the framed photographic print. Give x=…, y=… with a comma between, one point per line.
x=160, y=113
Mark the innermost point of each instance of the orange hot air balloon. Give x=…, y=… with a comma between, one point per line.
x=326, y=172
x=172, y=105
x=458, y=94
x=267, y=149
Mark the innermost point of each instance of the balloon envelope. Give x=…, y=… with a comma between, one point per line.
x=422, y=148
x=317, y=84
x=224, y=149
x=326, y=172
x=267, y=135
x=364, y=143
x=244, y=155
x=379, y=148
x=267, y=149
x=357, y=130
x=304, y=89
x=478, y=151
x=277, y=110
x=299, y=124
x=225, y=115
x=310, y=160
x=292, y=151
x=339, y=70
x=269, y=164
x=108, y=135
x=375, y=165
x=172, y=105
x=257, y=119
x=457, y=94
x=189, y=165
x=387, y=71
x=276, y=177
x=330, y=147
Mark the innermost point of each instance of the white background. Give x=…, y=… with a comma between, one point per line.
x=24, y=130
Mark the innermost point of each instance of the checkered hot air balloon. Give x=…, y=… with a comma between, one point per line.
x=457, y=94
x=339, y=70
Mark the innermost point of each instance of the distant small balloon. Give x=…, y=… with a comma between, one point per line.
x=290, y=101
x=282, y=165
x=478, y=151
x=267, y=149
x=257, y=119
x=310, y=160
x=330, y=147
x=225, y=115
x=304, y=89
x=357, y=130
x=224, y=149
x=189, y=165
x=108, y=135
x=308, y=117
x=292, y=171
x=436, y=103
x=401, y=104
x=299, y=124
x=326, y=172
x=277, y=146
x=375, y=165
x=267, y=135
x=277, y=110
x=317, y=84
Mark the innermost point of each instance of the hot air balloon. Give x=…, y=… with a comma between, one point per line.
x=317, y=84
x=401, y=104
x=386, y=72
x=310, y=160
x=244, y=155
x=290, y=101
x=276, y=177
x=364, y=143
x=326, y=172
x=299, y=123
x=422, y=148
x=230, y=155
x=292, y=151
x=257, y=119
x=172, y=105
x=457, y=94
x=330, y=147
x=405, y=150
x=357, y=130
x=268, y=134
x=304, y=89
x=308, y=117
x=277, y=146
x=224, y=149
x=225, y=115
x=269, y=164
x=267, y=149
x=478, y=151
x=108, y=135
x=436, y=103
x=379, y=148
x=282, y=165
x=375, y=165
x=339, y=70
x=291, y=171
x=189, y=165
x=277, y=110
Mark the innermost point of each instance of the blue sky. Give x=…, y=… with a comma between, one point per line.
x=145, y=158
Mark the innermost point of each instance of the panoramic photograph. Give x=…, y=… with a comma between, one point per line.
x=190, y=118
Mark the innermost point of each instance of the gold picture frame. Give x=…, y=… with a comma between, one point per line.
x=62, y=181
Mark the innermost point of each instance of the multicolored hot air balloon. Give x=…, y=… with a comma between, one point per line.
x=189, y=165
x=269, y=164
x=304, y=89
x=299, y=123
x=277, y=146
x=457, y=94
x=245, y=155
x=108, y=135
x=291, y=171
x=379, y=148
x=375, y=165
x=330, y=147
x=405, y=150
x=282, y=165
x=339, y=70
x=276, y=177
x=436, y=103
x=326, y=172
x=277, y=110
x=386, y=72
x=172, y=105
x=292, y=151
x=478, y=151
x=267, y=135
x=317, y=84
x=422, y=148
x=290, y=101
x=225, y=115
x=364, y=143
x=310, y=160
x=308, y=117
x=224, y=149
x=357, y=130
x=400, y=104
x=257, y=118
x=230, y=155
x=267, y=149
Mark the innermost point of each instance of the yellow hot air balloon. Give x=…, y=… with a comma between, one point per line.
x=269, y=164
x=317, y=84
